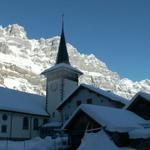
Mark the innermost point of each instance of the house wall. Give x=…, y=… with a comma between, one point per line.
x=141, y=107
x=35, y=133
x=14, y=125
x=7, y=123
x=82, y=95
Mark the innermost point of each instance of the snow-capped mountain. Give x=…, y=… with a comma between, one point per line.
x=22, y=60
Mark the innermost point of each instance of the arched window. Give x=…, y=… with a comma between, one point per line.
x=35, y=124
x=25, y=123
x=4, y=117
x=3, y=128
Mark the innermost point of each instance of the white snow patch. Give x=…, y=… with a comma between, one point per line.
x=98, y=141
x=140, y=133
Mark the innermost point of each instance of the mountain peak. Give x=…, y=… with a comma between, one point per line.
x=23, y=59
x=14, y=30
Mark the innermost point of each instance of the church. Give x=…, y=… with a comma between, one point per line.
x=22, y=115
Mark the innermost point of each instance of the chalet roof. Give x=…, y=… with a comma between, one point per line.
x=108, y=94
x=144, y=95
x=16, y=101
x=113, y=119
x=62, y=66
x=99, y=91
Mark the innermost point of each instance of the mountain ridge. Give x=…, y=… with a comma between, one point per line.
x=22, y=60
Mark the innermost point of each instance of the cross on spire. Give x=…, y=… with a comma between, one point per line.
x=62, y=55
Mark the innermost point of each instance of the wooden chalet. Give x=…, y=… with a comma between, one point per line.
x=116, y=122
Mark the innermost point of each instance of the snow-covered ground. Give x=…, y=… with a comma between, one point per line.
x=34, y=144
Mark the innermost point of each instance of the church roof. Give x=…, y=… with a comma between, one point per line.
x=62, y=60
x=99, y=91
x=62, y=56
x=62, y=66
x=16, y=101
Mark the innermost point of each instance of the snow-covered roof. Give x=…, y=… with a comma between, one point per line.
x=145, y=95
x=61, y=66
x=99, y=91
x=16, y=101
x=140, y=133
x=53, y=124
x=113, y=119
x=108, y=94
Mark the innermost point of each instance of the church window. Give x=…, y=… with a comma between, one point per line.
x=4, y=128
x=25, y=123
x=4, y=117
x=89, y=101
x=35, y=124
x=78, y=103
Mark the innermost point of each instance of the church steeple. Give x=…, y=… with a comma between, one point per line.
x=62, y=55
x=62, y=79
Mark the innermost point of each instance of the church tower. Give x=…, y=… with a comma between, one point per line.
x=62, y=79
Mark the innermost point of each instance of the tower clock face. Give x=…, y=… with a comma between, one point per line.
x=53, y=86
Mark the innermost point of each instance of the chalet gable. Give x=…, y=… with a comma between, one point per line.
x=105, y=94
x=140, y=104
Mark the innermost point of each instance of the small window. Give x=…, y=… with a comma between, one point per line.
x=78, y=103
x=101, y=100
x=89, y=101
x=25, y=123
x=53, y=114
x=66, y=116
x=4, y=128
x=4, y=117
x=35, y=124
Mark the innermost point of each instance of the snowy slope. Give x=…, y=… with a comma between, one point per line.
x=23, y=59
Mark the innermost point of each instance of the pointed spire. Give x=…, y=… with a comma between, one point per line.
x=62, y=56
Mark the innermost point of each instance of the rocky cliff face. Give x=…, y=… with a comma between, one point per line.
x=22, y=60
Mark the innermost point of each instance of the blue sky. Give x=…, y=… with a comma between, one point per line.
x=116, y=31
